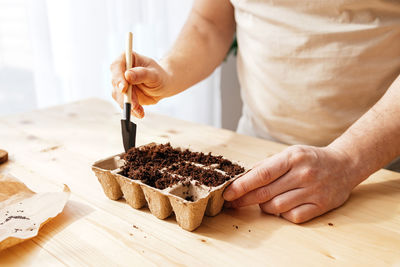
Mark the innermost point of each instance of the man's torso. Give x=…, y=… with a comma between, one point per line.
x=309, y=69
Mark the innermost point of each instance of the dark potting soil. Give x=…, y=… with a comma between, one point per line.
x=189, y=198
x=146, y=162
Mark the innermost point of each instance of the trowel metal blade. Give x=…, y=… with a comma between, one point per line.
x=128, y=134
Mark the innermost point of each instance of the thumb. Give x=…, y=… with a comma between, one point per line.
x=139, y=75
x=268, y=171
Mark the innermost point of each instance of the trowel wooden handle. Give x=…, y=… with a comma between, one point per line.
x=128, y=58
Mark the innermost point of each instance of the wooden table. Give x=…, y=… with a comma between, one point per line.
x=58, y=145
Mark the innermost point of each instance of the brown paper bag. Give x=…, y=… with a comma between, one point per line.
x=23, y=212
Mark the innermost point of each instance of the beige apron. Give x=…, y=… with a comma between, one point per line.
x=309, y=69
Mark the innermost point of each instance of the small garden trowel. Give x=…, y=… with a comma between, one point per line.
x=128, y=128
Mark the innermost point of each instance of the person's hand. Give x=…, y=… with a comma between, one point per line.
x=147, y=77
x=300, y=183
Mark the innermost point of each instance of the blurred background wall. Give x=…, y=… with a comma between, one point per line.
x=55, y=52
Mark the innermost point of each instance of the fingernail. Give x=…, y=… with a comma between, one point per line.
x=229, y=195
x=137, y=114
x=121, y=86
x=131, y=75
x=141, y=112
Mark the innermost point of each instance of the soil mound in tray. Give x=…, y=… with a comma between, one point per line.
x=162, y=166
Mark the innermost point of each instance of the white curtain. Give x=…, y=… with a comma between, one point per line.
x=73, y=43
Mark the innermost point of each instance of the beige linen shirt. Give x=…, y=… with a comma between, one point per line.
x=308, y=69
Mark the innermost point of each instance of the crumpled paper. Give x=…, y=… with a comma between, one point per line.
x=23, y=212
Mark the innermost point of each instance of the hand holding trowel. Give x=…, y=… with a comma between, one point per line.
x=128, y=128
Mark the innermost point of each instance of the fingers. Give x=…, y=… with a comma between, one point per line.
x=265, y=193
x=118, y=97
x=271, y=169
x=258, y=163
x=120, y=86
x=145, y=99
x=142, y=75
x=117, y=73
x=302, y=213
x=286, y=201
x=137, y=109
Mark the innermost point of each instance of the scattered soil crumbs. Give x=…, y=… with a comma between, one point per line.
x=189, y=198
x=15, y=217
x=3, y=156
x=162, y=166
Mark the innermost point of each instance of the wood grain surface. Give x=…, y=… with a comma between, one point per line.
x=58, y=145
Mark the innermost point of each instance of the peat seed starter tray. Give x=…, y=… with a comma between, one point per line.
x=185, y=180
